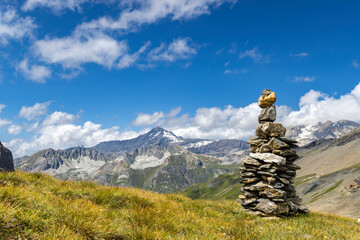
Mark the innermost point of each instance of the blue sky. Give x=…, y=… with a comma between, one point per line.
x=77, y=72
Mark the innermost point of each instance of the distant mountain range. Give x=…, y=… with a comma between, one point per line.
x=327, y=130
x=158, y=161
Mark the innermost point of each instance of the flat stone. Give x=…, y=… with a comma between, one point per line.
x=269, y=158
x=256, y=141
x=265, y=166
x=268, y=114
x=260, y=186
x=267, y=99
x=249, y=180
x=268, y=174
x=270, y=129
x=273, y=193
x=248, y=174
x=288, y=140
x=285, y=153
x=269, y=179
x=292, y=166
x=250, y=161
x=249, y=194
x=247, y=201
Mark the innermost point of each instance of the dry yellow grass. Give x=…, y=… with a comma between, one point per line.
x=37, y=206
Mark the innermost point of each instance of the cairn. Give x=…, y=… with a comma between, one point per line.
x=268, y=173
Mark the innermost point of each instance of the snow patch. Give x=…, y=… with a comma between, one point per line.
x=198, y=144
x=143, y=162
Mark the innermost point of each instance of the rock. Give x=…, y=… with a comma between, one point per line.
x=292, y=166
x=250, y=161
x=260, y=186
x=273, y=193
x=6, y=159
x=268, y=114
x=248, y=201
x=266, y=206
x=353, y=186
x=249, y=180
x=288, y=140
x=247, y=174
x=269, y=129
x=269, y=158
x=267, y=99
x=273, y=144
x=287, y=153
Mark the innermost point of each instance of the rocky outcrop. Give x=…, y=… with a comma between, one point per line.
x=268, y=174
x=6, y=159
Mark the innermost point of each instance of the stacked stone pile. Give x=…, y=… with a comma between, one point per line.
x=268, y=174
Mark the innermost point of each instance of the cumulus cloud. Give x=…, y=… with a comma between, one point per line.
x=58, y=131
x=55, y=5
x=12, y=26
x=75, y=50
x=139, y=12
x=240, y=123
x=213, y=123
x=35, y=73
x=256, y=56
x=316, y=106
x=300, y=55
x=304, y=79
x=180, y=48
x=14, y=129
x=33, y=112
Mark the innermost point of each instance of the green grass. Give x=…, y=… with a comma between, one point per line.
x=226, y=186
x=37, y=206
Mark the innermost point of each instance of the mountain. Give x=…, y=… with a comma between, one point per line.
x=229, y=150
x=155, y=137
x=157, y=168
x=37, y=206
x=6, y=159
x=327, y=130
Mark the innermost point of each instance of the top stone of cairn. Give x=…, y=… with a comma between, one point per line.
x=267, y=98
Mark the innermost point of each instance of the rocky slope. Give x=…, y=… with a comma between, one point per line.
x=327, y=130
x=6, y=159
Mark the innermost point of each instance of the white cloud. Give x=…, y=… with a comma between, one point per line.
x=256, y=56
x=14, y=129
x=59, y=132
x=300, y=55
x=73, y=51
x=316, y=106
x=4, y=122
x=240, y=123
x=31, y=113
x=144, y=119
x=213, y=123
x=304, y=79
x=129, y=60
x=180, y=48
x=59, y=118
x=355, y=64
x=12, y=26
x=55, y=5
x=36, y=73
x=138, y=12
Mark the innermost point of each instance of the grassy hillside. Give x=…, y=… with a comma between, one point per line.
x=226, y=186
x=36, y=206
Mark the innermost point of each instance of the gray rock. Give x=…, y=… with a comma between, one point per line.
x=6, y=159
x=266, y=206
x=267, y=114
x=269, y=129
x=269, y=158
x=250, y=161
